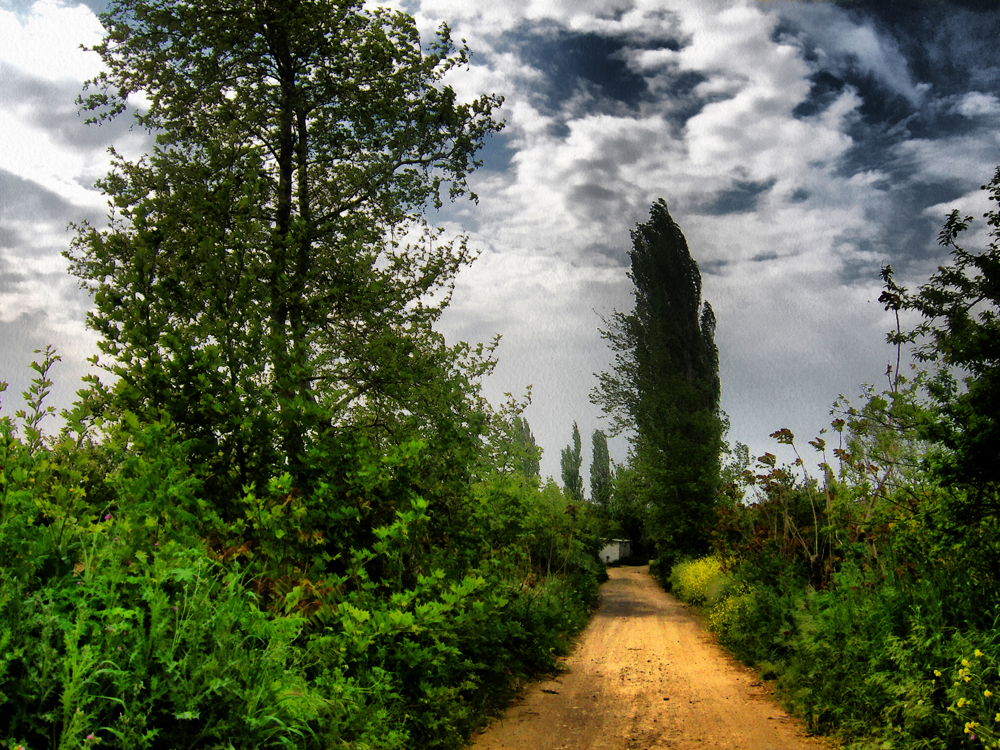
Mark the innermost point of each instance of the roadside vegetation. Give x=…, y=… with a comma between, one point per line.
x=871, y=592
x=286, y=516
x=134, y=614
x=283, y=514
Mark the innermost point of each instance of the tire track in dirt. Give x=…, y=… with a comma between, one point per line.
x=644, y=676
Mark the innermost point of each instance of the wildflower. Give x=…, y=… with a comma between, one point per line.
x=937, y=672
x=970, y=725
x=961, y=702
x=965, y=662
x=107, y=517
x=987, y=693
x=90, y=736
x=978, y=653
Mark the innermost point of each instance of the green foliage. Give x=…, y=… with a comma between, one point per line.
x=664, y=389
x=600, y=471
x=871, y=593
x=570, y=463
x=960, y=331
x=528, y=450
x=134, y=615
x=293, y=519
x=628, y=510
x=698, y=581
x=266, y=278
x=511, y=446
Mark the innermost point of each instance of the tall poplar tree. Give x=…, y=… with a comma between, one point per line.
x=664, y=387
x=600, y=470
x=253, y=283
x=527, y=450
x=570, y=463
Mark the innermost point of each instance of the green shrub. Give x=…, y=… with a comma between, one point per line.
x=137, y=612
x=699, y=581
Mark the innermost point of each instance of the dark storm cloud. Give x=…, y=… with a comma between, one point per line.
x=764, y=257
x=616, y=254
x=51, y=107
x=571, y=60
x=953, y=44
x=824, y=90
x=593, y=200
x=928, y=54
x=9, y=278
x=946, y=47
x=497, y=153
x=9, y=237
x=716, y=267
x=677, y=89
x=22, y=335
x=907, y=233
x=910, y=65
x=599, y=66
x=742, y=198
x=29, y=200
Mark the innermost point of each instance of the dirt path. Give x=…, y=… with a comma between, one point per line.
x=644, y=676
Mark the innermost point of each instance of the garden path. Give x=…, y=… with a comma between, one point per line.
x=646, y=675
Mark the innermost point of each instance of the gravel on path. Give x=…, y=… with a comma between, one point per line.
x=645, y=675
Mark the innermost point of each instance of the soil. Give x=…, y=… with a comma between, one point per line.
x=646, y=675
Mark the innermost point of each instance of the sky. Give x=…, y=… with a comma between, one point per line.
x=799, y=146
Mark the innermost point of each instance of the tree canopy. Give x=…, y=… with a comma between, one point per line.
x=959, y=334
x=268, y=276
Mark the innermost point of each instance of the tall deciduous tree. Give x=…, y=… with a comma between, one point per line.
x=570, y=463
x=527, y=451
x=600, y=470
x=664, y=387
x=267, y=275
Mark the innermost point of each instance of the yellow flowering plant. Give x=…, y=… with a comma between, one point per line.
x=972, y=698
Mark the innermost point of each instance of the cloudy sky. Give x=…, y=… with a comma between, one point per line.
x=799, y=145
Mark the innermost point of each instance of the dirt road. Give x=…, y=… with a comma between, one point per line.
x=644, y=676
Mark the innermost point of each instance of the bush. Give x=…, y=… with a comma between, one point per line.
x=136, y=614
x=699, y=582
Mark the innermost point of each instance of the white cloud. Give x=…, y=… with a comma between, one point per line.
x=976, y=104
x=564, y=211
x=47, y=43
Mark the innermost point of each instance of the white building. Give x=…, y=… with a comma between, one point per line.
x=615, y=549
